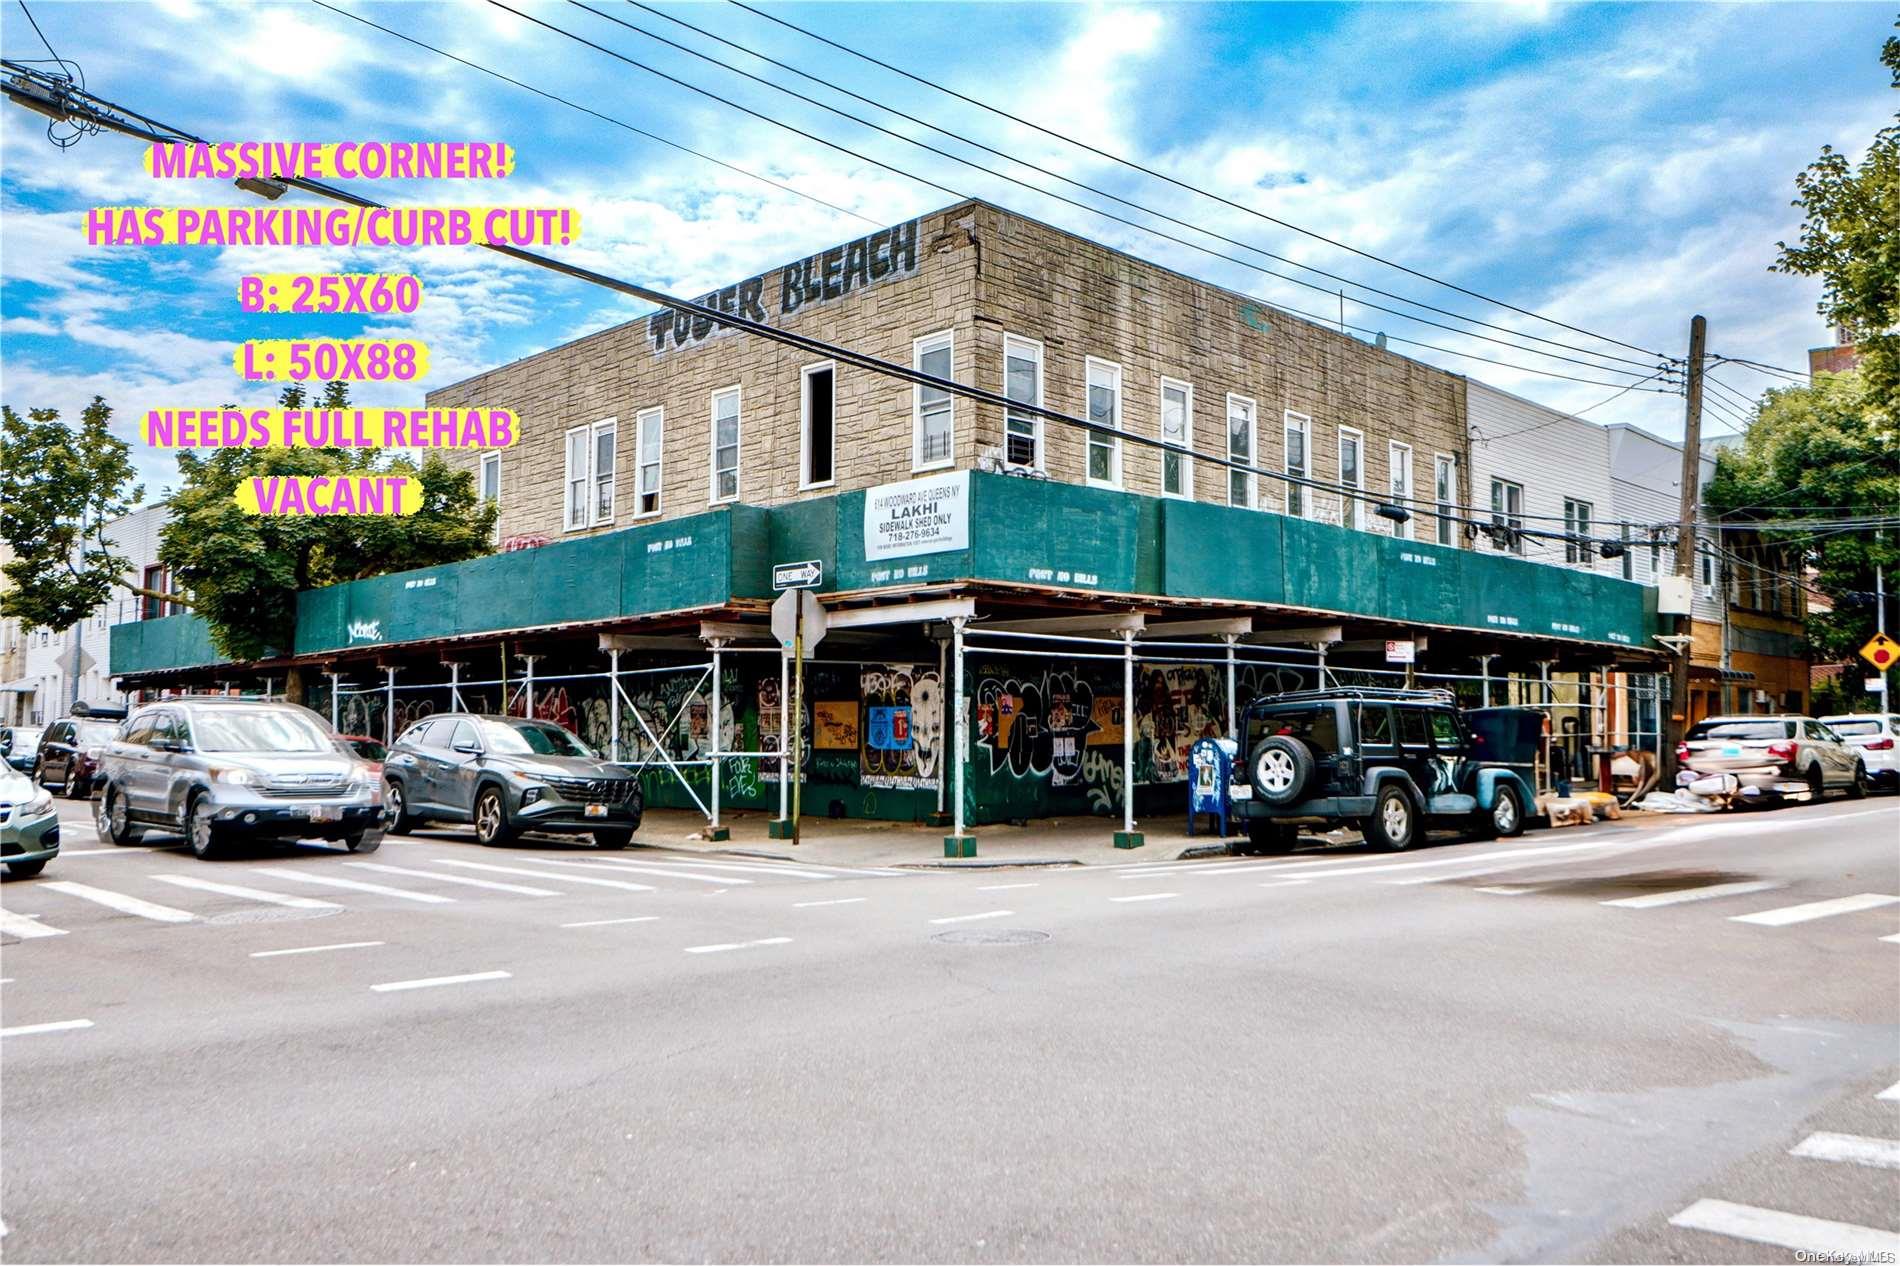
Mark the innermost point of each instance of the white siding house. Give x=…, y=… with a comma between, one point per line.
x=1544, y=469
x=1646, y=472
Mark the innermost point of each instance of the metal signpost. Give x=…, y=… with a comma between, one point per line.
x=797, y=622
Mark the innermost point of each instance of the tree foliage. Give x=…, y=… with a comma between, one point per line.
x=1851, y=241
x=59, y=486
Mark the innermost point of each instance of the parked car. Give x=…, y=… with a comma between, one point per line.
x=219, y=769
x=29, y=828
x=366, y=749
x=507, y=775
x=1392, y=762
x=1768, y=758
x=70, y=752
x=1876, y=736
x=20, y=745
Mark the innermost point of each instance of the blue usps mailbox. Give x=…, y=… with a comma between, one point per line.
x=1210, y=775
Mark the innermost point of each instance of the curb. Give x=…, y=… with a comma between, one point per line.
x=978, y=863
x=1203, y=850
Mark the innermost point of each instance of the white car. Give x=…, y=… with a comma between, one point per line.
x=1786, y=758
x=1877, y=737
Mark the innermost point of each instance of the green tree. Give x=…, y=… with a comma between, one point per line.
x=1851, y=241
x=59, y=487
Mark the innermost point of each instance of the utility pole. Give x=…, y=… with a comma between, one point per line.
x=1880, y=620
x=1690, y=502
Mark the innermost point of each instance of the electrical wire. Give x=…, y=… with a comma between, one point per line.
x=1760, y=368
x=1562, y=417
x=1158, y=175
x=1712, y=381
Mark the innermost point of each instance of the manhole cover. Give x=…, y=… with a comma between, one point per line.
x=990, y=936
x=269, y=916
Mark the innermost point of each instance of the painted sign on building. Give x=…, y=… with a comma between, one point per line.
x=918, y=516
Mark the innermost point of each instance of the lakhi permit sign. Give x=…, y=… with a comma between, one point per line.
x=918, y=516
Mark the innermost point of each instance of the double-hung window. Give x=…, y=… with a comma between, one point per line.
x=1240, y=448
x=489, y=485
x=1576, y=529
x=590, y=475
x=1445, y=493
x=1298, y=461
x=1352, y=474
x=1177, y=433
x=817, y=437
x=1399, y=480
x=1022, y=382
x=651, y=425
x=725, y=445
x=1507, y=515
x=1105, y=410
x=933, y=410
x=1629, y=554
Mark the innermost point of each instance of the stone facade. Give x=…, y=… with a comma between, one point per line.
x=980, y=274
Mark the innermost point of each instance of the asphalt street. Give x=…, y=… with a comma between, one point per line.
x=1674, y=1041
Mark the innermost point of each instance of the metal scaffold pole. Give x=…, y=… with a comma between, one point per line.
x=613, y=706
x=1128, y=837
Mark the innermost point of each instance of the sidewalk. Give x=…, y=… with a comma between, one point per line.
x=1085, y=841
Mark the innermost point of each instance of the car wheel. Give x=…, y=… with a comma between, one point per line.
x=26, y=870
x=613, y=839
x=363, y=841
x=637, y=809
x=1271, y=837
x=396, y=817
x=491, y=817
x=201, y=829
x=77, y=788
x=1505, y=817
x=1857, y=790
x=1817, y=784
x=1393, y=825
x=115, y=822
x=1280, y=769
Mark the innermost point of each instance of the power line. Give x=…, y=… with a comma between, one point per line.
x=1055, y=175
x=1564, y=417
x=1738, y=397
x=961, y=196
x=605, y=118
x=1158, y=175
x=1760, y=368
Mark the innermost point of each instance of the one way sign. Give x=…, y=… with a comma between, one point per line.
x=805, y=575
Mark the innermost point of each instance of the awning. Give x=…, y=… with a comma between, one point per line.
x=22, y=686
x=1721, y=674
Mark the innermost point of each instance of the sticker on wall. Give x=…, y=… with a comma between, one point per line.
x=835, y=725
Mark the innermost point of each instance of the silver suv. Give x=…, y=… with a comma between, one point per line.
x=219, y=769
x=1785, y=757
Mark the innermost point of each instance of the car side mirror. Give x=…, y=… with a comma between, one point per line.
x=167, y=745
x=466, y=746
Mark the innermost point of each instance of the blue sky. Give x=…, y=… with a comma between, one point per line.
x=1616, y=166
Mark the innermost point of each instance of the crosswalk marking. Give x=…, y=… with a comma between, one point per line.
x=641, y=869
x=835, y=901
x=1708, y=892
x=1891, y=1092
x=381, y=890
x=965, y=918
x=1817, y=909
x=787, y=868
x=1002, y=887
x=542, y=874
x=464, y=880
x=601, y=923
x=249, y=894
x=24, y=927
x=735, y=945
x=120, y=902
x=1285, y=883
x=1147, y=896
x=56, y=1026
x=1892, y=940
x=1786, y=1230
x=1853, y=1149
x=317, y=949
x=1505, y=892
x=430, y=982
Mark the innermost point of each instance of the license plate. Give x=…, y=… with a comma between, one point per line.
x=596, y=811
x=325, y=813
x=1732, y=750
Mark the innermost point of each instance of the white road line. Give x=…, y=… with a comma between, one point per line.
x=1853, y=1149
x=494, y=884
x=1817, y=909
x=430, y=982
x=639, y=869
x=836, y=901
x=734, y=945
x=120, y=902
x=1285, y=883
x=383, y=890
x=1892, y=940
x=1708, y=892
x=1786, y=1230
x=317, y=949
x=249, y=894
x=601, y=923
x=542, y=874
x=24, y=926
x=1147, y=896
x=57, y=1026
x=965, y=918
x=1505, y=892
x=105, y=852
x=1002, y=887
x=787, y=868
x=1891, y=1092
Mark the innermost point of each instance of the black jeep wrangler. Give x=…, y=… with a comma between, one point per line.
x=1391, y=762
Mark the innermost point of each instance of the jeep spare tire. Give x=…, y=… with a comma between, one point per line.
x=1281, y=769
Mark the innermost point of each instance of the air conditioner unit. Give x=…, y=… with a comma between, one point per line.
x=1675, y=595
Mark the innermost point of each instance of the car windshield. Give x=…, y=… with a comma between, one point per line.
x=1859, y=729
x=91, y=732
x=1742, y=731
x=523, y=738
x=25, y=740
x=256, y=730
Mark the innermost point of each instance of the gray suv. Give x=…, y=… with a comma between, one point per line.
x=220, y=769
x=507, y=775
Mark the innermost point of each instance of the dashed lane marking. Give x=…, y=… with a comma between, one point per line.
x=120, y=902
x=1892, y=940
x=1676, y=897
x=1786, y=1230
x=601, y=923
x=56, y=1026
x=430, y=982
x=1147, y=896
x=248, y=894
x=354, y=885
x=965, y=918
x=25, y=926
x=1785, y=915
x=464, y=880
x=1002, y=887
x=1852, y=1149
x=1505, y=892
x=542, y=874
x=836, y=901
x=316, y=949
x=1891, y=1092
x=738, y=945
x=1285, y=883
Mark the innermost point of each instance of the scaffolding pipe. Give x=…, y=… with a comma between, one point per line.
x=455, y=686
x=1128, y=734
x=613, y=707
x=784, y=731
x=528, y=688
x=389, y=708
x=335, y=689
x=962, y=741
x=712, y=733
x=1232, y=732
x=941, y=666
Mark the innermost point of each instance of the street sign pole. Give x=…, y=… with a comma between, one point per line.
x=797, y=770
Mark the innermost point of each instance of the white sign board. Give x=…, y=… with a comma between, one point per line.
x=918, y=516
x=1401, y=652
x=803, y=575
x=785, y=612
x=1874, y=685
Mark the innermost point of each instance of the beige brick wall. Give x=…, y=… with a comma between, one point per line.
x=981, y=272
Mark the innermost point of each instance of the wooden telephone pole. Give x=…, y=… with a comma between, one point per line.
x=1689, y=505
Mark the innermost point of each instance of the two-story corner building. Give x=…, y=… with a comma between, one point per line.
x=1096, y=600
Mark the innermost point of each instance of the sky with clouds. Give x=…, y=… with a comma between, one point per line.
x=1617, y=167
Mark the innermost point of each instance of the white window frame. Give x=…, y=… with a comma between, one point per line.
x=587, y=477
x=1186, y=447
x=804, y=425
x=712, y=444
x=1446, y=530
x=612, y=428
x=1091, y=439
x=1352, y=510
x=488, y=460
x=1252, y=501
x=657, y=416
x=1503, y=515
x=1405, y=499
x=1299, y=496
x=1578, y=553
x=1030, y=349
x=919, y=347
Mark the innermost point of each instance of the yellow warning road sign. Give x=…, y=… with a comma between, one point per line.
x=1881, y=651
